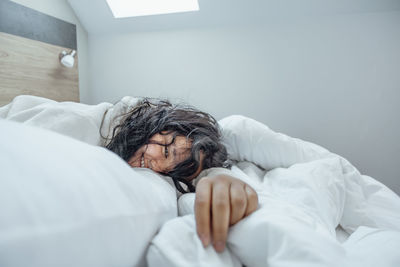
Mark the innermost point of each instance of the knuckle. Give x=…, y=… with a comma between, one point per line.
x=238, y=201
x=221, y=178
x=251, y=194
x=204, y=181
x=219, y=233
x=220, y=204
x=220, y=230
x=201, y=202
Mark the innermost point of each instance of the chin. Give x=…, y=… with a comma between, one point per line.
x=134, y=164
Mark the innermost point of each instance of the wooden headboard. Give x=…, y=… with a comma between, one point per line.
x=30, y=44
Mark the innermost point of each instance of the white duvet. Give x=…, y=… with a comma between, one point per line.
x=305, y=193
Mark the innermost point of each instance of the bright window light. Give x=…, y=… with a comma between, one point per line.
x=132, y=8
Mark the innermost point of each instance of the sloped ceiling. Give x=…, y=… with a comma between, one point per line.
x=97, y=18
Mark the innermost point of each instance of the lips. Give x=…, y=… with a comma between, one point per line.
x=142, y=162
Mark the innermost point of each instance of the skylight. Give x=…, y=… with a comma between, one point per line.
x=132, y=8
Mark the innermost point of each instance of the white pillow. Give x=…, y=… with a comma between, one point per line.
x=249, y=140
x=76, y=120
x=67, y=203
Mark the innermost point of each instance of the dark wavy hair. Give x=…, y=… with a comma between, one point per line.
x=151, y=116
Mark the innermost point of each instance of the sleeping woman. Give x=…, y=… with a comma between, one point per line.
x=180, y=141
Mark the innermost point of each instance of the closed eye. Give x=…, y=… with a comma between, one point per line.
x=166, y=151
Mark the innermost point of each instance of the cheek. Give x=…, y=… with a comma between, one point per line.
x=137, y=155
x=152, y=151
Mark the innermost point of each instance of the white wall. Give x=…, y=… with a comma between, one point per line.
x=61, y=9
x=332, y=80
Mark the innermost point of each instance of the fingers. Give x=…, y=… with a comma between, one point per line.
x=202, y=210
x=220, y=214
x=238, y=197
x=252, y=200
x=221, y=201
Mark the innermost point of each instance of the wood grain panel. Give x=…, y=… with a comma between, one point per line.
x=32, y=67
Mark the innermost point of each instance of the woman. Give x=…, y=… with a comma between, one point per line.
x=180, y=141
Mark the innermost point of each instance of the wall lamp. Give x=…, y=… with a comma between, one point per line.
x=67, y=59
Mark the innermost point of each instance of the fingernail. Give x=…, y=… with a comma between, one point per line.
x=219, y=246
x=204, y=240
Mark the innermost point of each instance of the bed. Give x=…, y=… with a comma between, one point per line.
x=67, y=201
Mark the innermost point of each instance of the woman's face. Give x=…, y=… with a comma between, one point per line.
x=160, y=155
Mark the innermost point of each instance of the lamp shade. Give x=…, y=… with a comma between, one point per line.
x=68, y=59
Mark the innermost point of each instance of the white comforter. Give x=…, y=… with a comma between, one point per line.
x=305, y=192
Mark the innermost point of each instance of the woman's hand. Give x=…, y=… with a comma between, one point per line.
x=221, y=201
